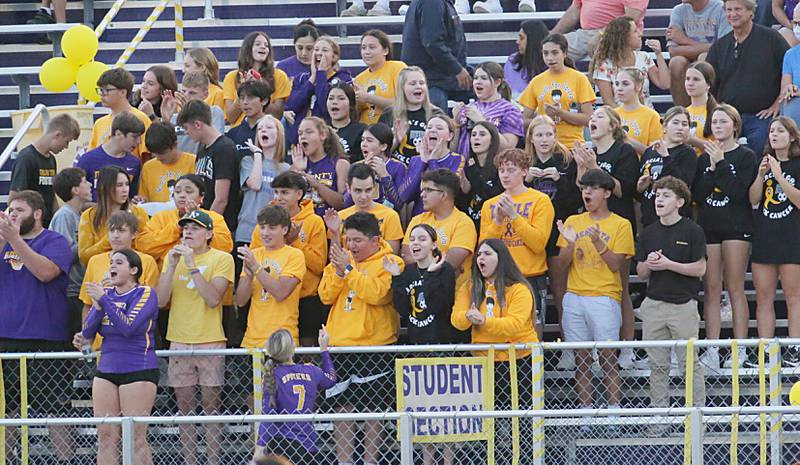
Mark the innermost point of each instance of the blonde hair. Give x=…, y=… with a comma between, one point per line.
x=337, y=50
x=280, y=145
x=400, y=107
x=617, y=133
x=280, y=350
x=638, y=78
x=204, y=57
x=558, y=148
x=332, y=145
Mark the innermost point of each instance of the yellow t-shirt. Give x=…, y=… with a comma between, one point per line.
x=382, y=83
x=101, y=131
x=570, y=89
x=267, y=315
x=642, y=125
x=98, y=267
x=191, y=321
x=526, y=237
x=283, y=87
x=697, y=120
x=215, y=97
x=388, y=220
x=457, y=230
x=158, y=178
x=589, y=275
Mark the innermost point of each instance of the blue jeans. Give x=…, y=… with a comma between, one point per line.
x=792, y=109
x=755, y=130
x=763, y=15
x=439, y=96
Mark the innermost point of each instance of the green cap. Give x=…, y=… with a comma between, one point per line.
x=197, y=216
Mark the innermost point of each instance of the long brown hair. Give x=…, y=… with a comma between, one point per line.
x=495, y=72
x=794, y=136
x=246, y=62
x=613, y=44
x=332, y=145
x=205, y=57
x=106, y=183
x=506, y=274
x=709, y=75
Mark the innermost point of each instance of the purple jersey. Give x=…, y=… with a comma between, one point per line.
x=325, y=171
x=409, y=190
x=127, y=323
x=29, y=308
x=292, y=67
x=96, y=159
x=505, y=116
x=388, y=187
x=296, y=392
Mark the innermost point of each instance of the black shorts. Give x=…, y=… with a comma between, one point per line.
x=121, y=379
x=50, y=389
x=371, y=380
x=718, y=237
x=313, y=314
x=539, y=286
x=774, y=251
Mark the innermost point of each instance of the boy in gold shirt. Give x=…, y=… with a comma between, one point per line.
x=270, y=280
x=160, y=174
x=522, y=218
x=359, y=289
x=594, y=245
x=115, y=87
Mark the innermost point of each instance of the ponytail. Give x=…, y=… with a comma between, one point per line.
x=505, y=90
x=270, y=383
x=711, y=105
x=280, y=350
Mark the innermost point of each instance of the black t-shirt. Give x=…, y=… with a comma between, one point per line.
x=777, y=219
x=34, y=171
x=748, y=75
x=683, y=242
x=416, y=130
x=681, y=163
x=621, y=162
x=350, y=137
x=220, y=160
x=484, y=184
x=564, y=193
x=722, y=194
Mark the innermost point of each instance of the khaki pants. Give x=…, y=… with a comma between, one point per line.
x=666, y=321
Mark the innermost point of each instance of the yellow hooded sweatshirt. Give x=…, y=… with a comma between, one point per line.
x=162, y=233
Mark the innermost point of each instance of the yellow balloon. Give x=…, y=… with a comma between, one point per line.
x=79, y=44
x=794, y=395
x=87, y=80
x=58, y=74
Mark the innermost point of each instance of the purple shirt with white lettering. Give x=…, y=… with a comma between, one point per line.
x=410, y=190
x=96, y=159
x=325, y=171
x=296, y=390
x=506, y=117
x=127, y=323
x=388, y=187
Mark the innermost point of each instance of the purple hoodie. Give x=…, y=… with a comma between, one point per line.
x=410, y=189
x=307, y=97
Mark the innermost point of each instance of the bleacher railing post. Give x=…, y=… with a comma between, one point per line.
x=127, y=441
x=108, y=17
x=696, y=419
x=775, y=391
x=126, y=55
x=208, y=10
x=406, y=442
x=178, y=30
x=537, y=403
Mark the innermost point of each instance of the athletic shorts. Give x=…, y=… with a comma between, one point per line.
x=590, y=318
x=539, y=286
x=718, y=237
x=50, y=389
x=121, y=379
x=313, y=314
x=196, y=370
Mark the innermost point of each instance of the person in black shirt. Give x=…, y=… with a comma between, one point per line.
x=618, y=158
x=344, y=118
x=35, y=166
x=776, y=195
x=669, y=157
x=671, y=257
x=217, y=162
x=424, y=292
x=748, y=62
x=479, y=180
x=725, y=171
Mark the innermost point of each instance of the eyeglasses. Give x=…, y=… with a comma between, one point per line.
x=105, y=91
x=428, y=190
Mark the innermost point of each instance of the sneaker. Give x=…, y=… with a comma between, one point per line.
x=462, y=7
x=567, y=361
x=742, y=358
x=710, y=358
x=751, y=360
x=354, y=10
x=402, y=10
x=791, y=358
x=491, y=6
x=526, y=6
x=41, y=17
x=379, y=10
x=629, y=359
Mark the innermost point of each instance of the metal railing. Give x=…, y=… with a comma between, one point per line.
x=26, y=126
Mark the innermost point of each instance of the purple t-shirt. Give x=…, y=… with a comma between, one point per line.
x=325, y=171
x=96, y=159
x=29, y=308
x=410, y=190
x=292, y=67
x=517, y=80
x=388, y=187
x=127, y=323
x=296, y=392
x=506, y=117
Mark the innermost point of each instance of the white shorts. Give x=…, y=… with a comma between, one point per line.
x=582, y=43
x=591, y=318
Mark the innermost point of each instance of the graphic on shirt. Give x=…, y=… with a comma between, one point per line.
x=326, y=179
x=584, y=257
x=556, y=92
x=717, y=198
x=188, y=277
x=631, y=128
x=442, y=234
x=408, y=146
x=46, y=176
x=167, y=181
x=348, y=303
x=14, y=260
x=345, y=144
x=776, y=204
x=204, y=167
x=372, y=90
x=605, y=166
x=652, y=168
x=490, y=303
x=419, y=308
x=417, y=301
x=272, y=268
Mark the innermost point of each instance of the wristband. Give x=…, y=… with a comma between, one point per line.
x=258, y=270
x=605, y=249
x=194, y=271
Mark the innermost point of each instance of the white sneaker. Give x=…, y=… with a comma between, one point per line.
x=567, y=361
x=379, y=10
x=596, y=369
x=742, y=358
x=462, y=7
x=626, y=359
x=402, y=10
x=490, y=6
x=354, y=10
x=673, y=360
x=526, y=6
x=710, y=358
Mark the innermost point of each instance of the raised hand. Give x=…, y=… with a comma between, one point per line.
x=567, y=232
x=253, y=147
x=249, y=262
x=332, y=220
x=437, y=264
x=299, y=159
x=323, y=338
x=95, y=291
x=653, y=44
x=714, y=151
x=294, y=232
x=391, y=266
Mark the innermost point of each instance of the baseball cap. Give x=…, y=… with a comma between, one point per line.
x=197, y=216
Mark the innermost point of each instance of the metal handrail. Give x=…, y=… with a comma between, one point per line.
x=26, y=126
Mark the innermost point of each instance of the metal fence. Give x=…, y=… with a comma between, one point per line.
x=44, y=388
